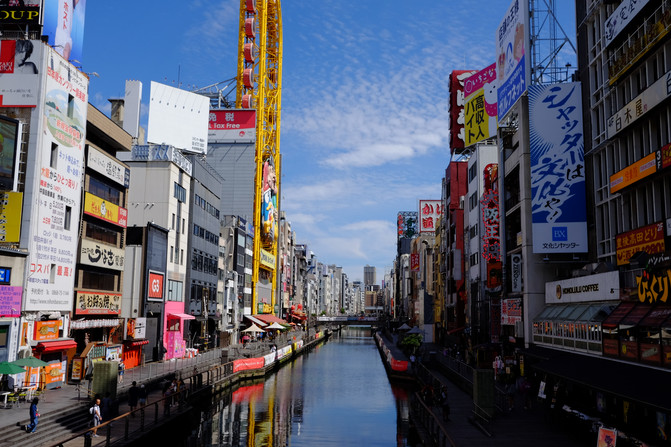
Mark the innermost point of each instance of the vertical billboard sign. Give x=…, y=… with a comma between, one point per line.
x=489, y=204
x=512, y=62
x=480, y=108
x=457, y=102
x=64, y=24
x=558, y=204
x=269, y=203
x=406, y=223
x=429, y=212
x=19, y=72
x=55, y=206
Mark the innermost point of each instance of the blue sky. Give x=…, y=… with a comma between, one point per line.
x=365, y=128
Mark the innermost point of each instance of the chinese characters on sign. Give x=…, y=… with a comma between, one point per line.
x=559, y=213
x=89, y=303
x=429, y=212
x=649, y=239
x=480, y=108
x=640, y=105
x=407, y=224
x=489, y=204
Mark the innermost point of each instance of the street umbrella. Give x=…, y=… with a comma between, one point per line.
x=415, y=330
x=10, y=368
x=403, y=327
x=275, y=325
x=253, y=328
x=32, y=362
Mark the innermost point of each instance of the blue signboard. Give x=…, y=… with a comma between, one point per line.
x=559, y=215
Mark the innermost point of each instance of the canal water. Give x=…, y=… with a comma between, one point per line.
x=338, y=394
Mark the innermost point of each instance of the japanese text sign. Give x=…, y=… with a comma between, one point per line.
x=429, y=212
x=649, y=239
x=480, y=107
x=558, y=202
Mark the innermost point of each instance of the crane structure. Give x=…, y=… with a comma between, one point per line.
x=259, y=87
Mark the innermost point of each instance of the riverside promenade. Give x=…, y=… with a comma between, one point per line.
x=513, y=427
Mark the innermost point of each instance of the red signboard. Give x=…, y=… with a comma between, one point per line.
x=155, y=286
x=414, y=262
x=649, y=239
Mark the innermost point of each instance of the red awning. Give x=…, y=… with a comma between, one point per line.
x=56, y=345
x=269, y=318
x=135, y=343
x=618, y=314
x=182, y=316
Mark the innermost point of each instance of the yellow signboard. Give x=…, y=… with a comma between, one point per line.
x=267, y=259
x=11, y=205
x=102, y=209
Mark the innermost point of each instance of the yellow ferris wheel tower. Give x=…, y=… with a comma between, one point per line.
x=259, y=87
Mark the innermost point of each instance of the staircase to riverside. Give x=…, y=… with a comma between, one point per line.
x=50, y=428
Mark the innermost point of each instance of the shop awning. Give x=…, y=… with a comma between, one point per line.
x=182, y=316
x=636, y=315
x=135, y=343
x=656, y=317
x=56, y=345
x=618, y=314
x=269, y=319
x=256, y=321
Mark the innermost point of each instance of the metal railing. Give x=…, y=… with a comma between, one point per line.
x=430, y=422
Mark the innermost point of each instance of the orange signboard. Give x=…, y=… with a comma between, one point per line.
x=649, y=239
x=53, y=373
x=633, y=173
x=107, y=211
x=46, y=330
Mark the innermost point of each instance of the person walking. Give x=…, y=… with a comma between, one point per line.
x=97, y=418
x=142, y=396
x=133, y=396
x=34, y=416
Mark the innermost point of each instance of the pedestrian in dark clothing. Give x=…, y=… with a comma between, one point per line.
x=106, y=406
x=142, y=396
x=444, y=402
x=133, y=395
x=34, y=416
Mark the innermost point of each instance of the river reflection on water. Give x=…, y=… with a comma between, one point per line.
x=337, y=394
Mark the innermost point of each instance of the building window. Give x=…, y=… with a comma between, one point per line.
x=98, y=280
x=172, y=253
x=71, y=106
x=180, y=192
x=101, y=234
x=104, y=191
x=173, y=222
x=175, y=289
x=53, y=162
x=68, y=217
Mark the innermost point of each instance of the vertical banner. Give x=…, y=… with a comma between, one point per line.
x=457, y=101
x=559, y=216
x=56, y=201
x=480, y=108
x=414, y=262
x=512, y=63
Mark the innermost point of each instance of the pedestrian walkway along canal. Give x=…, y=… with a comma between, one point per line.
x=336, y=394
